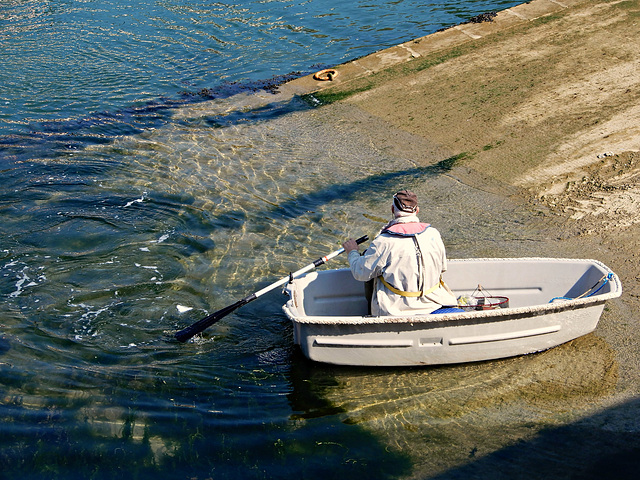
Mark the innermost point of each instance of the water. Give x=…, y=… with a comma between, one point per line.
x=142, y=192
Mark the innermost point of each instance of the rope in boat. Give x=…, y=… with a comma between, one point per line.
x=606, y=279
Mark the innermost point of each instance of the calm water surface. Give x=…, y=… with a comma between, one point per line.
x=134, y=203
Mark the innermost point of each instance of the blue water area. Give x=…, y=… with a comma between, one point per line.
x=139, y=194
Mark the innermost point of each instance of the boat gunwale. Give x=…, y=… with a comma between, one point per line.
x=500, y=314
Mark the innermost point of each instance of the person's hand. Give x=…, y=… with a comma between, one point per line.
x=350, y=245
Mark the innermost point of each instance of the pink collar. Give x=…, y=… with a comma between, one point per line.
x=406, y=229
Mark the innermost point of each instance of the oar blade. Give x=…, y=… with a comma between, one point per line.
x=185, y=334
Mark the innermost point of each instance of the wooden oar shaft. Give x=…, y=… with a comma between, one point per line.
x=199, y=326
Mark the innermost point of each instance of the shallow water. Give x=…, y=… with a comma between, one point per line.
x=121, y=227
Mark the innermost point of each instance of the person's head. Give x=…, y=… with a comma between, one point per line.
x=405, y=203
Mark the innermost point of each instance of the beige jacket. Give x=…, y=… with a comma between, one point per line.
x=393, y=254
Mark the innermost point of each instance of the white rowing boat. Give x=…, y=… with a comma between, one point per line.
x=550, y=301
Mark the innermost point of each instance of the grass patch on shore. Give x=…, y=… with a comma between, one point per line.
x=363, y=84
x=434, y=59
x=326, y=97
x=341, y=92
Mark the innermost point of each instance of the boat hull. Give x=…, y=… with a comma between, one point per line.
x=444, y=342
x=338, y=331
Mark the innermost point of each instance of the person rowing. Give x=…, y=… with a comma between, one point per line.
x=405, y=263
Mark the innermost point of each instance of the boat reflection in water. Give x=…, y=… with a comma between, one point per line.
x=445, y=417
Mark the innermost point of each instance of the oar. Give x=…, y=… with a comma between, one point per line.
x=199, y=326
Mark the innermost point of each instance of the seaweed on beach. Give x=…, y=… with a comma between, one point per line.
x=483, y=17
x=232, y=88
